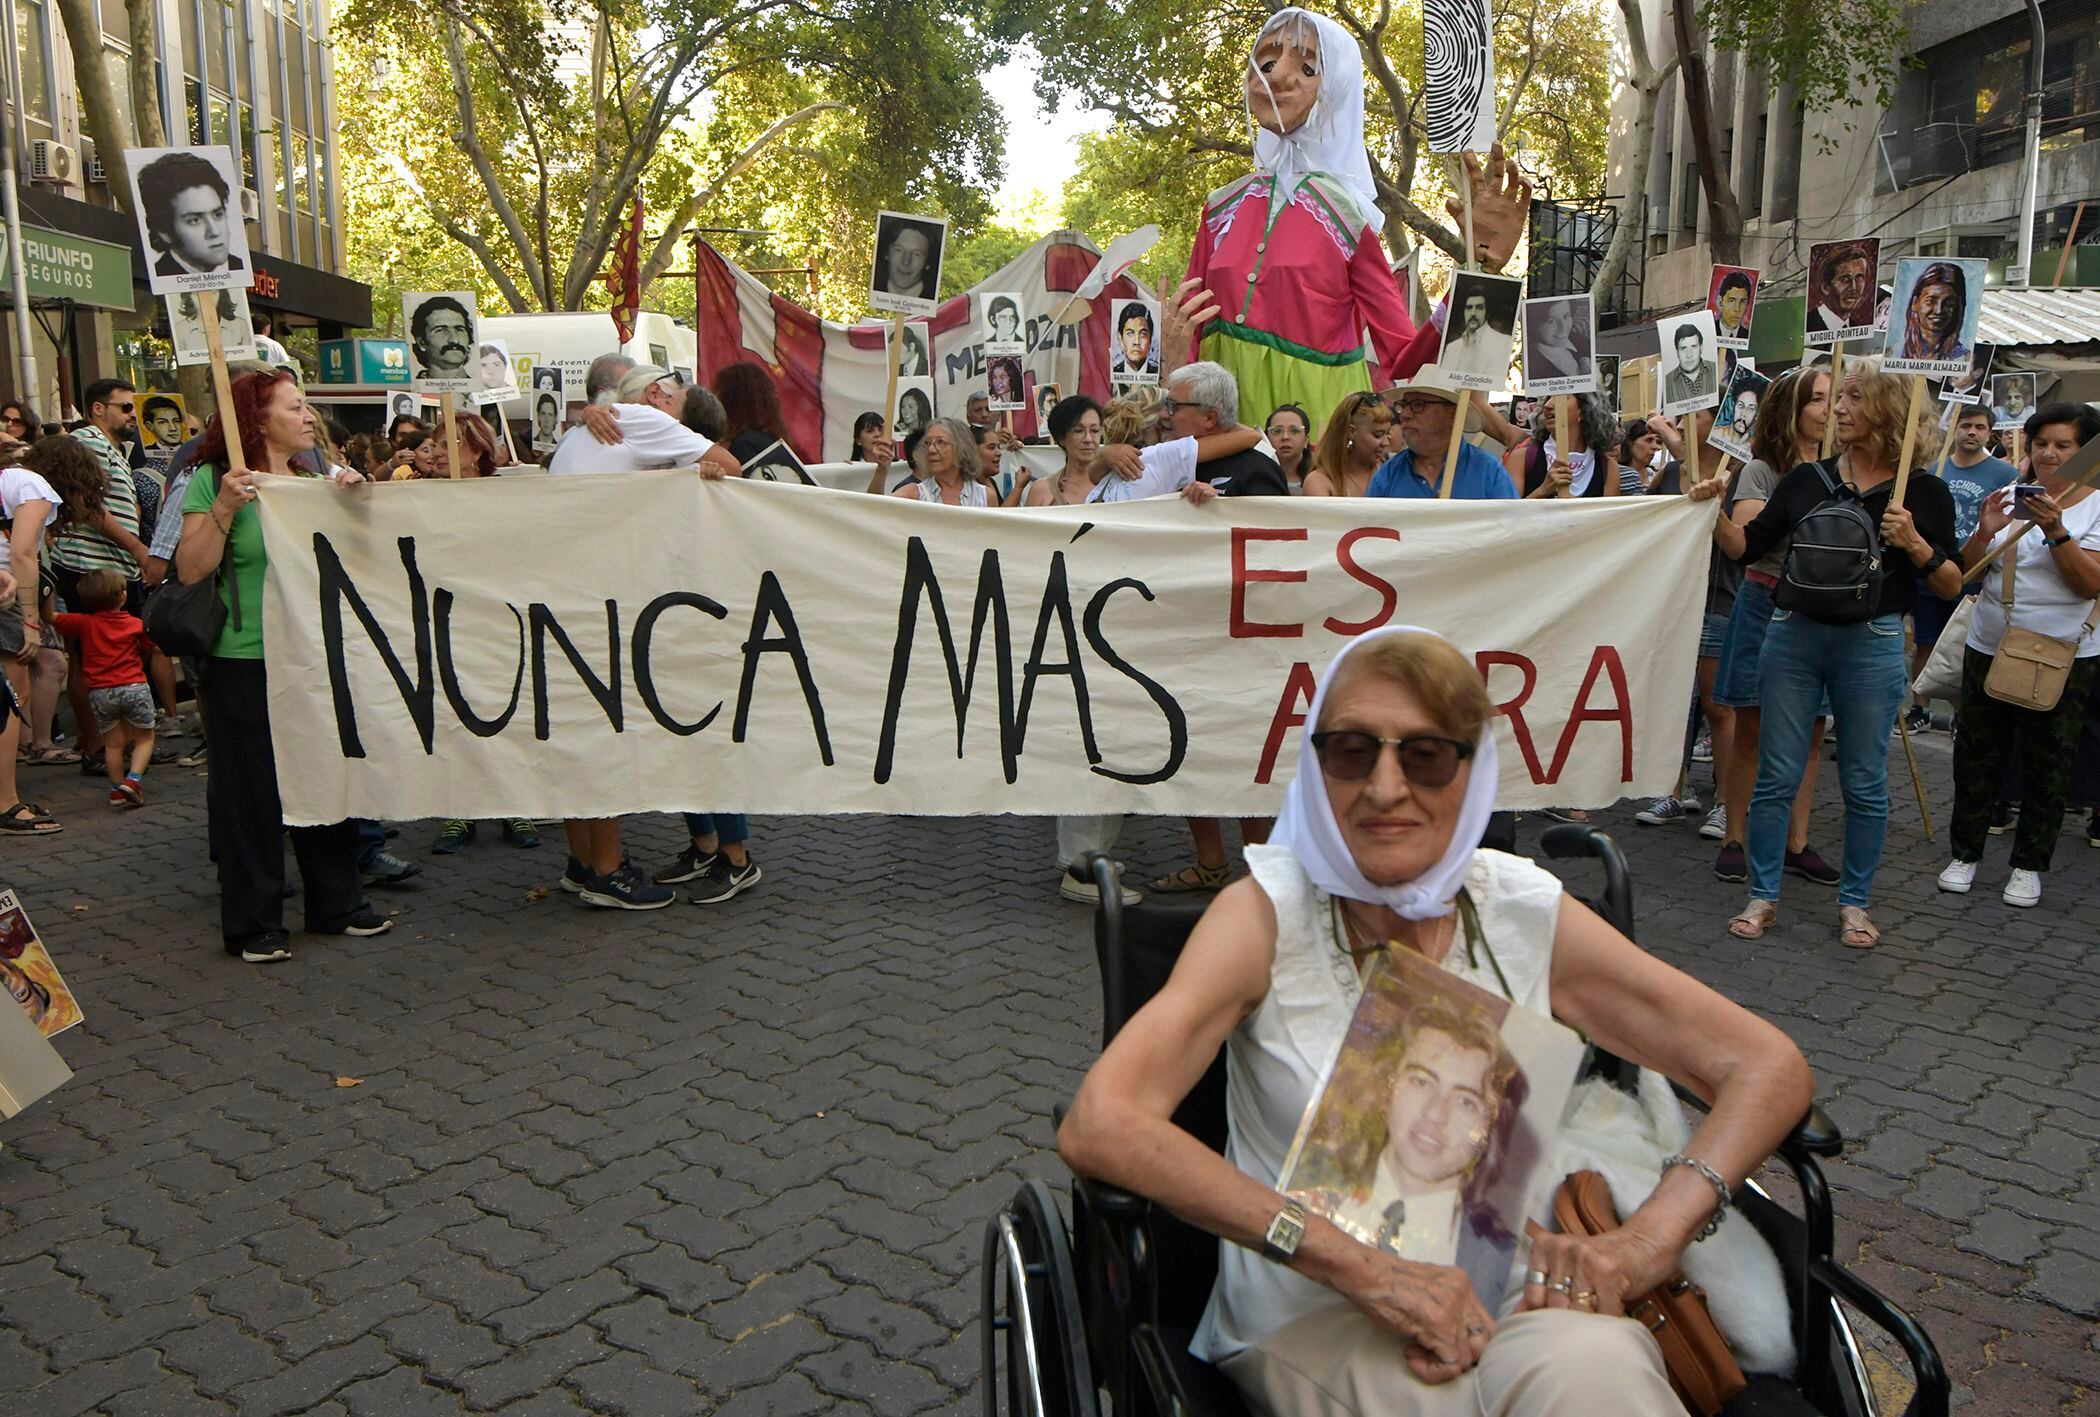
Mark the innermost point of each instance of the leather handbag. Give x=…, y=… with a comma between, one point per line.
x=1702, y=1370
x=2030, y=670
x=185, y=619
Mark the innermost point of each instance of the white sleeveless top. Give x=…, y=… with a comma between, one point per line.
x=971, y=493
x=1275, y=1058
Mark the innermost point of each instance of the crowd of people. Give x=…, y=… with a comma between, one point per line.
x=1776, y=676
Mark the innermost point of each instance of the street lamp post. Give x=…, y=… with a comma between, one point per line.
x=11, y=209
x=2031, y=161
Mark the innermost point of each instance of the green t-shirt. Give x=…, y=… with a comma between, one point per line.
x=244, y=552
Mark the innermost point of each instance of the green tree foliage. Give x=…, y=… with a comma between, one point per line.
x=516, y=133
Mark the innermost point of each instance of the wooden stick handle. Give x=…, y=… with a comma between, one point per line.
x=1692, y=440
x=1560, y=441
x=221, y=381
x=449, y=411
x=889, y=403
x=1458, y=436
x=1910, y=438
x=1830, y=402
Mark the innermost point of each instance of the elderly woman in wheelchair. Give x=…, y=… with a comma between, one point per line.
x=1374, y=852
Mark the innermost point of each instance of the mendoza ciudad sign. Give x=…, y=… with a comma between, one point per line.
x=62, y=266
x=755, y=647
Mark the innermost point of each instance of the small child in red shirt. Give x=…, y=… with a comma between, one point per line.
x=113, y=647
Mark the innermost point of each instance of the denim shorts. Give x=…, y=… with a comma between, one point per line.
x=1735, y=679
x=1711, y=633
x=129, y=703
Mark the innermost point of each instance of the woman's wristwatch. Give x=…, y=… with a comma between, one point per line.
x=1285, y=1231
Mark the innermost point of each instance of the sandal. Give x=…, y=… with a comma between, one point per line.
x=50, y=756
x=29, y=819
x=1754, y=919
x=1855, y=930
x=1198, y=877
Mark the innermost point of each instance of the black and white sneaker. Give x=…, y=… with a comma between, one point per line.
x=270, y=947
x=387, y=869
x=625, y=889
x=2004, y=817
x=365, y=923
x=1917, y=720
x=725, y=880
x=575, y=877
x=689, y=865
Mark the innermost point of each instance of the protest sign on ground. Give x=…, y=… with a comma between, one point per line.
x=745, y=646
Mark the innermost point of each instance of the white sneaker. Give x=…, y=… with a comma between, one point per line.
x=1661, y=812
x=1690, y=801
x=1715, y=827
x=2023, y=888
x=1960, y=875
x=1087, y=893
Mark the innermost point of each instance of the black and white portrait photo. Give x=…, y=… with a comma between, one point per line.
x=189, y=218
x=1560, y=343
x=547, y=407
x=907, y=273
x=403, y=404
x=1002, y=322
x=1691, y=370
x=441, y=343
x=494, y=378
x=1608, y=380
x=914, y=360
x=1972, y=383
x=1479, y=331
x=1134, y=343
x=186, y=326
x=914, y=406
x=2012, y=399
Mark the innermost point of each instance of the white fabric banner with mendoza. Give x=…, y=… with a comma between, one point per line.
x=592, y=646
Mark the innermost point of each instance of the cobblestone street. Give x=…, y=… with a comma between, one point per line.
x=737, y=1158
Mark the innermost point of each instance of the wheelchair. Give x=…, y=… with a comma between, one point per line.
x=1100, y=1314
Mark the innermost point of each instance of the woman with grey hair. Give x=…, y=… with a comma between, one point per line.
x=1589, y=467
x=951, y=474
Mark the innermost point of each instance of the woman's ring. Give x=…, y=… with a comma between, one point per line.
x=1561, y=1286
x=1475, y=1330
x=1537, y=1276
x=1584, y=1298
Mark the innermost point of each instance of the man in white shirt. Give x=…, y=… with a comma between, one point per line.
x=627, y=428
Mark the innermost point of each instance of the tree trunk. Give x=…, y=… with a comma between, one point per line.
x=1646, y=79
x=1724, y=214
x=98, y=98
x=145, y=93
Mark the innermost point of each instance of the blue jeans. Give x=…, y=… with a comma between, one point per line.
x=1861, y=668
x=729, y=828
x=371, y=840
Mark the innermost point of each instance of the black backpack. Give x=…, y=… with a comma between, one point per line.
x=1833, y=563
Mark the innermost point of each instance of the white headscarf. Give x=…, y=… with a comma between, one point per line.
x=1331, y=139
x=1307, y=825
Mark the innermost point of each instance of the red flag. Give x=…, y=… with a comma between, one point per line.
x=625, y=278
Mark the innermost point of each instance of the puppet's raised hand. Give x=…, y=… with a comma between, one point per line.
x=1501, y=205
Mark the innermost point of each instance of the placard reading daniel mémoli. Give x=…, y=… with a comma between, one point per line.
x=764, y=648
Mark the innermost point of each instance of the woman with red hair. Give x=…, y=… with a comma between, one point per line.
x=751, y=408
x=220, y=531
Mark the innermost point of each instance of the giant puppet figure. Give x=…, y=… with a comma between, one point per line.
x=1290, y=255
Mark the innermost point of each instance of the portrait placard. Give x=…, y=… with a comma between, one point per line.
x=1005, y=383
x=1608, y=381
x=1432, y=1134
x=1842, y=295
x=914, y=352
x=441, y=328
x=1133, y=344
x=2012, y=399
x=28, y=974
x=1735, y=419
x=495, y=378
x=1731, y=294
x=1560, y=343
x=1691, y=366
x=189, y=218
x=1933, y=315
x=1479, y=332
x=914, y=409
x=547, y=407
x=1004, y=332
x=906, y=274
x=401, y=404
x=186, y=327
x=1042, y=397
x=1974, y=382
x=162, y=419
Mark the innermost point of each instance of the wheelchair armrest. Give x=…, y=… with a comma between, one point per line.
x=1930, y=1399
x=1113, y=1202
x=1814, y=1135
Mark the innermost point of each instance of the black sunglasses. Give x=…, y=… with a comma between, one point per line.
x=1426, y=760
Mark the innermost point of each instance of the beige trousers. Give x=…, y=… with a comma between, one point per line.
x=1546, y=1363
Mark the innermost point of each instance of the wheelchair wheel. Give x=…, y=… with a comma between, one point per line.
x=1034, y=1343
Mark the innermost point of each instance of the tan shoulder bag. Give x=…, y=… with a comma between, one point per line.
x=2029, y=670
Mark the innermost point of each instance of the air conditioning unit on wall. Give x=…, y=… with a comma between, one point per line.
x=251, y=204
x=51, y=161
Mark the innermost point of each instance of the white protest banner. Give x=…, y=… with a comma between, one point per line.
x=745, y=646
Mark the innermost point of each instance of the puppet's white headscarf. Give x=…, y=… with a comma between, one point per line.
x=1307, y=825
x=1331, y=139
